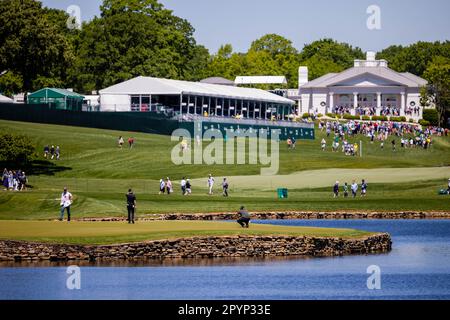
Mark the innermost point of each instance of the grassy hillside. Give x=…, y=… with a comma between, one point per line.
x=98, y=173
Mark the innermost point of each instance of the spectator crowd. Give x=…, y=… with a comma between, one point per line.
x=14, y=180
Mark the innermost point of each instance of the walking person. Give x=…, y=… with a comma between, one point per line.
x=336, y=189
x=57, y=152
x=225, y=187
x=363, y=188
x=324, y=144
x=244, y=217
x=168, y=186
x=354, y=188
x=183, y=186
x=131, y=142
x=120, y=142
x=162, y=186
x=346, y=190
x=131, y=206
x=188, y=187
x=210, y=184
x=46, y=151
x=66, y=202
x=52, y=152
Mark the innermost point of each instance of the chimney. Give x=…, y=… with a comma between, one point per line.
x=370, y=56
x=302, y=76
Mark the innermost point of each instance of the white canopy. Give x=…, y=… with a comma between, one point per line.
x=5, y=99
x=260, y=80
x=158, y=86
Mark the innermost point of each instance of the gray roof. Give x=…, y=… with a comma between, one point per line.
x=332, y=79
x=218, y=80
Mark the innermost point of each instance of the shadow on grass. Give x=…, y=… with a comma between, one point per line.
x=36, y=167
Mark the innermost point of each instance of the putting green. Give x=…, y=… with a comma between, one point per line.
x=119, y=232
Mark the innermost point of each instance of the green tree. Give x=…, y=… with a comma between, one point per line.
x=16, y=149
x=32, y=44
x=134, y=38
x=438, y=89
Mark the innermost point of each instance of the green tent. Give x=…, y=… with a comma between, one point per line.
x=60, y=99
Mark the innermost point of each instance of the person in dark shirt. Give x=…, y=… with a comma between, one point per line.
x=131, y=205
x=225, y=187
x=244, y=217
x=336, y=189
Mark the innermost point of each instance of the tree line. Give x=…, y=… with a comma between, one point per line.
x=141, y=37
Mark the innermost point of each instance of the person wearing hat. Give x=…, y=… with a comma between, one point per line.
x=66, y=202
x=244, y=217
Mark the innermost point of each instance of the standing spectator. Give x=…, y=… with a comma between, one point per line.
x=58, y=152
x=46, y=151
x=393, y=145
x=162, y=186
x=244, y=217
x=363, y=188
x=324, y=144
x=120, y=142
x=131, y=142
x=52, y=152
x=354, y=188
x=5, y=179
x=66, y=202
x=289, y=143
x=225, y=187
x=293, y=141
x=131, y=206
x=23, y=181
x=210, y=184
x=336, y=189
x=183, y=186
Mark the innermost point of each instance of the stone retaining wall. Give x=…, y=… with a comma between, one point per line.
x=292, y=215
x=198, y=247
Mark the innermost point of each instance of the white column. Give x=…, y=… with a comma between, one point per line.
x=403, y=103
x=331, y=103
x=378, y=101
x=355, y=102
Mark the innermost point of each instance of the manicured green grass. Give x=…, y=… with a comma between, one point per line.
x=98, y=173
x=116, y=232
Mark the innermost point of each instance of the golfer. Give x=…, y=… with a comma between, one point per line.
x=131, y=205
x=66, y=201
x=244, y=217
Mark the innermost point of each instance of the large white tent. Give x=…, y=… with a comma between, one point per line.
x=144, y=93
x=5, y=99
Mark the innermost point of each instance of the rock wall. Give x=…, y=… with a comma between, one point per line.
x=292, y=215
x=198, y=247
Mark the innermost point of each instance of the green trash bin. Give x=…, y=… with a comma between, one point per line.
x=282, y=193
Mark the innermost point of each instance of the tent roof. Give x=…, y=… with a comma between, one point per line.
x=159, y=86
x=5, y=99
x=54, y=93
x=218, y=80
x=260, y=80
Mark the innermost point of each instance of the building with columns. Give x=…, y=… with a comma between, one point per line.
x=369, y=88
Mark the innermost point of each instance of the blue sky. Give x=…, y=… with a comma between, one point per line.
x=239, y=22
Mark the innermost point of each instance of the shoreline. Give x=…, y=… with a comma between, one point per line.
x=198, y=247
x=285, y=215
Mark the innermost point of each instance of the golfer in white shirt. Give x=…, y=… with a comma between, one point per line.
x=66, y=201
x=210, y=184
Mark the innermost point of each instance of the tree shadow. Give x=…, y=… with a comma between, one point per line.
x=36, y=167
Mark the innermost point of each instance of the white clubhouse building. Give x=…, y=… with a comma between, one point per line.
x=369, y=88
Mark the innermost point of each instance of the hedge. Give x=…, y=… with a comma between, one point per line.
x=365, y=118
x=424, y=123
x=431, y=115
x=379, y=118
x=306, y=116
x=397, y=119
x=351, y=117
